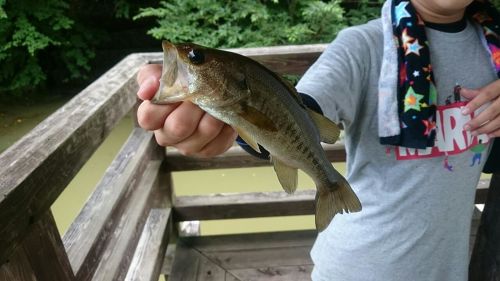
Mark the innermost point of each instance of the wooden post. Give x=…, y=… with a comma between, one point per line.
x=41, y=256
x=485, y=260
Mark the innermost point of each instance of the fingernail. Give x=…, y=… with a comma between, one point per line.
x=465, y=111
x=474, y=133
x=467, y=128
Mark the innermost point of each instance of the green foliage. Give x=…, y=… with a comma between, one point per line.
x=33, y=36
x=364, y=11
x=219, y=23
x=3, y=15
x=49, y=42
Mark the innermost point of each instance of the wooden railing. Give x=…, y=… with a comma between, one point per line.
x=123, y=229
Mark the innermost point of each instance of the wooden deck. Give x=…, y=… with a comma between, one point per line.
x=280, y=256
x=124, y=230
x=277, y=256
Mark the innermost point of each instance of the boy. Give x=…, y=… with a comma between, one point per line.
x=414, y=179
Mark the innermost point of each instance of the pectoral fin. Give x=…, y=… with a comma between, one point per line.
x=257, y=118
x=248, y=138
x=287, y=176
x=329, y=131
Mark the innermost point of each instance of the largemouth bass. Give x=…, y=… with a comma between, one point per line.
x=264, y=110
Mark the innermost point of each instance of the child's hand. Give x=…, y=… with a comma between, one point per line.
x=488, y=121
x=182, y=125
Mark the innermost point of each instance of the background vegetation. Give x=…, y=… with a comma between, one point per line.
x=56, y=46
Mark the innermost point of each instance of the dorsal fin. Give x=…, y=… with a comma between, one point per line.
x=329, y=132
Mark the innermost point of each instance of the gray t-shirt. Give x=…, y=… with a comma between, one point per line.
x=417, y=204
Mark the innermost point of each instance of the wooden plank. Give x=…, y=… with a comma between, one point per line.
x=117, y=255
x=257, y=204
x=231, y=277
x=41, y=256
x=236, y=157
x=46, y=253
x=290, y=59
x=485, y=260
x=168, y=260
x=148, y=256
x=17, y=268
x=278, y=273
x=243, y=205
x=37, y=168
x=258, y=258
x=87, y=235
x=243, y=255
x=252, y=241
x=190, y=265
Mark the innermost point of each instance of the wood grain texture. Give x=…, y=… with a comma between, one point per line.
x=87, y=235
x=151, y=249
x=243, y=205
x=191, y=265
x=261, y=256
x=37, y=168
x=17, y=268
x=119, y=249
x=41, y=256
x=278, y=273
x=290, y=59
x=258, y=204
x=46, y=253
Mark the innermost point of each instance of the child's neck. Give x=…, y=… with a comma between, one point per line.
x=430, y=13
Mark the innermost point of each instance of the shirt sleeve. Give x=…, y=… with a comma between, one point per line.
x=337, y=80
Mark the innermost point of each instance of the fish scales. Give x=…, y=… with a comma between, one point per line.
x=266, y=111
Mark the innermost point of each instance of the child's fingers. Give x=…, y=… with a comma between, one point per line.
x=148, y=80
x=152, y=116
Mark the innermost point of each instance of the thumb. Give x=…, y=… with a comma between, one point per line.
x=469, y=93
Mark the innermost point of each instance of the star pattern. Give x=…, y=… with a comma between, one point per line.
x=413, y=48
x=417, y=92
x=412, y=100
x=495, y=54
x=401, y=12
x=430, y=125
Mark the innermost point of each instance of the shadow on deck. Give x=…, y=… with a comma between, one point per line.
x=124, y=230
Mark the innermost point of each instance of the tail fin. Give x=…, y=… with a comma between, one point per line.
x=334, y=199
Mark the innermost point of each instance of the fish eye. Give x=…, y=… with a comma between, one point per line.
x=196, y=56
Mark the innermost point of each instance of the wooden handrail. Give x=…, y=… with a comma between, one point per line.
x=37, y=168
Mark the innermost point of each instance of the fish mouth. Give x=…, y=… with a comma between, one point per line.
x=174, y=84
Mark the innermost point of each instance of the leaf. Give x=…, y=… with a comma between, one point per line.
x=3, y=15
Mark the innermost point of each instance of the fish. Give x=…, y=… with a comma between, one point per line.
x=266, y=111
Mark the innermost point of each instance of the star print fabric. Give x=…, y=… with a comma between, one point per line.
x=407, y=112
